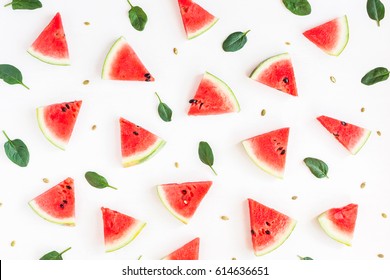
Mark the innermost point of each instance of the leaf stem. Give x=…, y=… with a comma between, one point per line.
x=213, y=170
x=25, y=86
x=112, y=187
x=65, y=251
x=128, y=1
x=246, y=32
x=6, y=136
x=378, y=23
x=159, y=99
x=6, y=5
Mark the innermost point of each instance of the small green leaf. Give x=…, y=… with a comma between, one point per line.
x=305, y=258
x=11, y=75
x=235, y=41
x=138, y=18
x=54, y=255
x=206, y=155
x=24, y=4
x=375, y=10
x=97, y=181
x=163, y=110
x=375, y=75
x=16, y=151
x=317, y=167
x=298, y=7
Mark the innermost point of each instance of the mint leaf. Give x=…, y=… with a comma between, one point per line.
x=298, y=7
x=11, y=75
x=24, y=4
x=206, y=155
x=54, y=255
x=163, y=110
x=16, y=151
x=375, y=10
x=375, y=75
x=317, y=167
x=97, y=181
x=235, y=41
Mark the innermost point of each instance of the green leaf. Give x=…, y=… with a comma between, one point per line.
x=11, y=75
x=16, y=151
x=163, y=110
x=375, y=10
x=375, y=75
x=298, y=7
x=54, y=255
x=138, y=18
x=317, y=167
x=235, y=41
x=25, y=4
x=206, y=155
x=97, y=181
x=305, y=258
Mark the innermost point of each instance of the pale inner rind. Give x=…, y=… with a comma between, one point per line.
x=331, y=230
x=144, y=155
x=47, y=133
x=127, y=237
x=161, y=194
x=44, y=215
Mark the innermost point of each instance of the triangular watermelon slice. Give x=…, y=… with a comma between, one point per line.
x=119, y=229
x=137, y=143
x=57, y=204
x=331, y=37
x=277, y=72
x=352, y=137
x=196, y=19
x=57, y=121
x=51, y=46
x=269, y=150
x=189, y=251
x=182, y=200
x=339, y=223
x=122, y=63
x=269, y=228
x=213, y=97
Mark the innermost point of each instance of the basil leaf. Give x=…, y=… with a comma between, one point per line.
x=11, y=75
x=235, y=41
x=97, y=181
x=317, y=167
x=298, y=7
x=206, y=155
x=138, y=18
x=16, y=151
x=54, y=255
x=375, y=75
x=163, y=110
x=25, y=4
x=375, y=10
x=305, y=258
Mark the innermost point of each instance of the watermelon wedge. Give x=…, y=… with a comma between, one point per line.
x=57, y=204
x=339, y=223
x=277, y=72
x=137, y=143
x=51, y=46
x=269, y=228
x=182, y=200
x=189, y=251
x=352, y=137
x=331, y=37
x=57, y=121
x=122, y=63
x=213, y=97
x=119, y=229
x=196, y=20
x=269, y=150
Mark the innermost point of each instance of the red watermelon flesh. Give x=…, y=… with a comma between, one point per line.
x=352, y=137
x=57, y=121
x=269, y=228
x=277, y=72
x=196, y=19
x=189, y=251
x=119, y=229
x=269, y=150
x=213, y=97
x=51, y=45
x=182, y=200
x=57, y=204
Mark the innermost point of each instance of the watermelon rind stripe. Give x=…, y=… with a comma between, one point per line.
x=202, y=30
x=332, y=231
x=127, y=237
x=46, y=132
x=107, y=65
x=361, y=142
x=145, y=155
x=37, y=209
x=267, y=63
x=48, y=59
x=161, y=195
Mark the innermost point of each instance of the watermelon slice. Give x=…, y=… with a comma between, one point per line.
x=57, y=121
x=277, y=72
x=269, y=150
x=119, y=229
x=137, y=143
x=51, y=46
x=196, y=20
x=189, y=251
x=352, y=137
x=57, y=204
x=339, y=223
x=213, y=97
x=269, y=228
x=183, y=199
x=331, y=37
x=122, y=63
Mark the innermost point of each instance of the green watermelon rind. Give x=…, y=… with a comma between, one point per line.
x=165, y=202
x=48, y=59
x=127, y=237
x=38, y=210
x=110, y=55
x=199, y=32
x=145, y=155
x=332, y=231
x=267, y=63
x=362, y=142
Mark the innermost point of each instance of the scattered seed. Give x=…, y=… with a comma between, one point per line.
x=379, y=133
x=287, y=43
x=384, y=215
x=13, y=242
x=381, y=256
x=294, y=197
x=176, y=164
x=45, y=180
x=333, y=79
x=362, y=109
x=263, y=112
x=1, y=204
x=140, y=257
x=363, y=185
x=175, y=51
x=85, y=82
x=225, y=218
x=93, y=127
x=87, y=23
x=234, y=259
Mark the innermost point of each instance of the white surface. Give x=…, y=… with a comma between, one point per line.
x=177, y=77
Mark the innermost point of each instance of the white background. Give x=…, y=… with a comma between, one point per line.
x=177, y=77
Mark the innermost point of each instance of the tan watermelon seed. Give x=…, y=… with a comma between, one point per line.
x=225, y=218
x=176, y=164
x=381, y=256
x=384, y=215
x=93, y=127
x=333, y=79
x=45, y=180
x=362, y=109
x=85, y=82
x=234, y=258
x=87, y=23
x=13, y=242
x=287, y=43
x=294, y=197
x=363, y=185
x=379, y=133
x=175, y=51
x=263, y=112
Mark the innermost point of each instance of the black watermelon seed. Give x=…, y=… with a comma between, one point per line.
x=62, y=206
x=147, y=75
x=335, y=134
x=63, y=109
x=193, y=101
x=67, y=106
x=267, y=223
x=200, y=106
x=343, y=123
x=283, y=152
x=65, y=201
x=135, y=133
x=267, y=232
x=253, y=232
x=68, y=187
x=285, y=80
x=280, y=148
x=184, y=192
